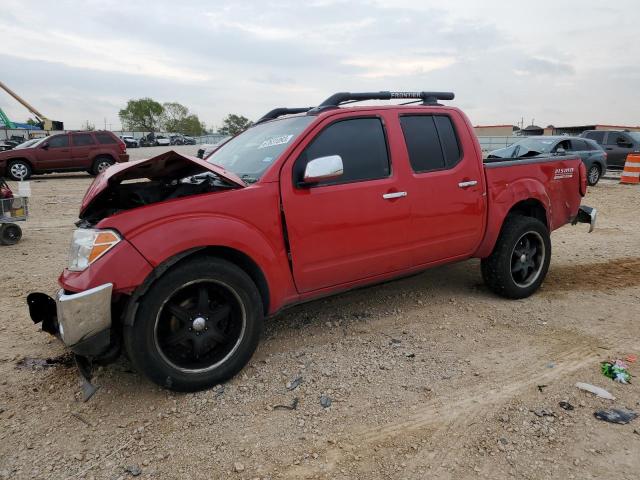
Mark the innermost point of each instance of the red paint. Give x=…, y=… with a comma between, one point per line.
x=339, y=236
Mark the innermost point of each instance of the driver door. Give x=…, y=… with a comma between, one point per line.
x=54, y=153
x=352, y=227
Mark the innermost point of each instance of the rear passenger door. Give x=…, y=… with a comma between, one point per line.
x=446, y=188
x=353, y=227
x=81, y=146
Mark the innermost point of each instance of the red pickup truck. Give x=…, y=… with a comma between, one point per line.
x=179, y=259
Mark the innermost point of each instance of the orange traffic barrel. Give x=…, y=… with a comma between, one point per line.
x=631, y=172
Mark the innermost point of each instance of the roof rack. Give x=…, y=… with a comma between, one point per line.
x=428, y=98
x=278, y=112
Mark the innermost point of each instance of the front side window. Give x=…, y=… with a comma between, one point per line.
x=431, y=142
x=360, y=142
x=82, y=139
x=578, y=145
x=59, y=141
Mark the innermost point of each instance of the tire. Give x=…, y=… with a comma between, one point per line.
x=10, y=234
x=168, y=341
x=19, y=170
x=100, y=164
x=593, y=175
x=512, y=270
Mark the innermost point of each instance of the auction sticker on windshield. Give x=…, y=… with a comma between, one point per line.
x=273, y=141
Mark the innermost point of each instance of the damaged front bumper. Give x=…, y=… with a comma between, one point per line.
x=81, y=320
x=586, y=215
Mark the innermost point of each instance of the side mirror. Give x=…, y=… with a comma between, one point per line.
x=45, y=146
x=322, y=169
x=561, y=151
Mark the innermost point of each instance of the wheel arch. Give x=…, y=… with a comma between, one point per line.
x=234, y=256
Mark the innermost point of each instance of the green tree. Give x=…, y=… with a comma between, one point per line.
x=143, y=114
x=173, y=115
x=32, y=122
x=234, y=124
x=191, y=125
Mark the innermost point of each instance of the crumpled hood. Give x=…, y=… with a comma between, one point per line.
x=167, y=165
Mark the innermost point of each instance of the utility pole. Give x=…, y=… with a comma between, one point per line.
x=105, y=123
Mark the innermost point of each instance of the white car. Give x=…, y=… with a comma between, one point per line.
x=162, y=141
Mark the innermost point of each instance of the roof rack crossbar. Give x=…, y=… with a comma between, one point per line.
x=278, y=112
x=428, y=98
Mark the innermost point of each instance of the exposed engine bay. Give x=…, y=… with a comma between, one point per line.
x=163, y=178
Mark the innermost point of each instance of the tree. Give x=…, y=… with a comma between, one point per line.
x=143, y=114
x=173, y=115
x=32, y=122
x=234, y=124
x=191, y=125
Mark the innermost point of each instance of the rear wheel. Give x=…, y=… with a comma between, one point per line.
x=197, y=326
x=10, y=233
x=19, y=170
x=100, y=164
x=520, y=259
x=593, y=175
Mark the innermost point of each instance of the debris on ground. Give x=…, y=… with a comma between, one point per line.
x=616, y=415
x=293, y=406
x=543, y=412
x=295, y=383
x=325, y=401
x=566, y=405
x=631, y=358
x=238, y=467
x=134, y=470
x=37, y=363
x=541, y=387
x=600, y=392
x=616, y=370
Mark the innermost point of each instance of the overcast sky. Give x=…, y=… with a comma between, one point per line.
x=560, y=62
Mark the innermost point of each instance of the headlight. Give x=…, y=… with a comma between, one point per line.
x=88, y=245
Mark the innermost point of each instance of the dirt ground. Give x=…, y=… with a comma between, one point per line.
x=431, y=376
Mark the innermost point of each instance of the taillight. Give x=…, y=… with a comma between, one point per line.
x=583, y=179
x=123, y=146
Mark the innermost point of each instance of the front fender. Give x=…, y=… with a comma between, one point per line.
x=502, y=198
x=163, y=239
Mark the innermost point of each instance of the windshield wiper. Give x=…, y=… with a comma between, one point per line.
x=248, y=178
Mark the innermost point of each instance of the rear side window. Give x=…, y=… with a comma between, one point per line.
x=431, y=142
x=59, y=141
x=578, y=145
x=82, y=139
x=597, y=136
x=361, y=143
x=105, y=138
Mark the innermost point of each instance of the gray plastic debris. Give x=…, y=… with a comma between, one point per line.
x=295, y=383
x=616, y=415
x=325, y=401
x=293, y=406
x=600, y=392
x=566, y=405
x=134, y=470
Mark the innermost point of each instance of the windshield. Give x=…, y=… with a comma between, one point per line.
x=31, y=143
x=249, y=154
x=635, y=136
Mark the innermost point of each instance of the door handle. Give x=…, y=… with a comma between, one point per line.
x=609, y=148
x=389, y=196
x=468, y=183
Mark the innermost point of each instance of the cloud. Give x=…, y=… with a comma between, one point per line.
x=80, y=61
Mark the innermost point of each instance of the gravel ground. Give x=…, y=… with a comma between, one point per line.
x=427, y=377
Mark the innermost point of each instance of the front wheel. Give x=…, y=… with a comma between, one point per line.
x=593, y=175
x=19, y=170
x=197, y=326
x=520, y=259
x=101, y=164
x=10, y=233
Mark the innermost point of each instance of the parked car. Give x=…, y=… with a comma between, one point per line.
x=188, y=140
x=592, y=155
x=207, y=149
x=161, y=140
x=176, y=139
x=617, y=143
x=65, y=152
x=153, y=140
x=180, y=259
x=129, y=141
